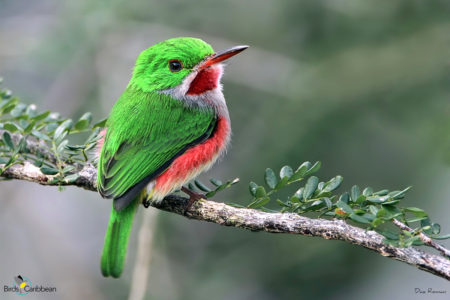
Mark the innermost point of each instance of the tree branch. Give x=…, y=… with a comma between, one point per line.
x=255, y=220
x=424, y=238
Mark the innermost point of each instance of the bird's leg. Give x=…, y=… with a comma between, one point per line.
x=193, y=196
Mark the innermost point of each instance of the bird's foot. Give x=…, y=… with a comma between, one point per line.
x=193, y=196
x=146, y=203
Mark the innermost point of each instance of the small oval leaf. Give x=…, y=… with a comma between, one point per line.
x=310, y=187
x=270, y=178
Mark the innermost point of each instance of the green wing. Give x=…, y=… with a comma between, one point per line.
x=145, y=133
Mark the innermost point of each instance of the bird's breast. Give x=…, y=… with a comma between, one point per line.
x=195, y=160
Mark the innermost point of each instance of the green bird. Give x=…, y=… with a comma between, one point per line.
x=170, y=124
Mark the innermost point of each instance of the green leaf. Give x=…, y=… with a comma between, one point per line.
x=436, y=228
x=221, y=187
x=299, y=193
x=392, y=211
x=192, y=187
x=314, y=168
x=389, y=234
x=41, y=116
x=399, y=194
x=381, y=193
x=303, y=167
x=11, y=127
x=201, y=186
x=29, y=127
x=410, y=241
x=259, y=202
x=442, y=237
x=31, y=110
x=367, y=191
x=376, y=222
x=344, y=206
x=7, y=140
x=95, y=135
x=81, y=124
x=294, y=199
x=310, y=187
x=392, y=202
x=100, y=124
x=369, y=217
x=361, y=199
x=71, y=178
x=87, y=116
x=381, y=213
x=62, y=146
x=281, y=203
x=18, y=110
x=260, y=192
x=345, y=197
x=426, y=225
x=66, y=125
x=286, y=171
x=315, y=205
x=75, y=147
x=328, y=202
x=283, y=182
x=375, y=199
x=49, y=171
x=40, y=135
x=270, y=178
x=359, y=219
x=68, y=169
x=301, y=171
x=355, y=193
x=415, y=219
x=373, y=210
x=416, y=211
x=215, y=182
x=252, y=188
x=333, y=184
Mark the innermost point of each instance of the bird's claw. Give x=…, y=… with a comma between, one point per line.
x=193, y=196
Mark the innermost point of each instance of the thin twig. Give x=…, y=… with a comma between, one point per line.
x=424, y=238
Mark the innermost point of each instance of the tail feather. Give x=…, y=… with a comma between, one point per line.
x=116, y=240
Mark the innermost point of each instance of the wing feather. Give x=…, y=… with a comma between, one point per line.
x=144, y=135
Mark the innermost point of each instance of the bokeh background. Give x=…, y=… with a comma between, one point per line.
x=362, y=86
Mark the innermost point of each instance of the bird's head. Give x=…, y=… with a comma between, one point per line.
x=183, y=67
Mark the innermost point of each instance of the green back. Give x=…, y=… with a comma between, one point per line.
x=145, y=133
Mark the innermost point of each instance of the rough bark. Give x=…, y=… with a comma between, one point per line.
x=254, y=220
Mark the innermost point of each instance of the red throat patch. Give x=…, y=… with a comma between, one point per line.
x=206, y=80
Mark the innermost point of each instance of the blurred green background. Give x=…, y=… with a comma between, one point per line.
x=362, y=86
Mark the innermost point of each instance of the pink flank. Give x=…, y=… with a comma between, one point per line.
x=101, y=141
x=194, y=159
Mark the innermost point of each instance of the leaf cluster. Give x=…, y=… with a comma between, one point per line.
x=374, y=210
x=20, y=123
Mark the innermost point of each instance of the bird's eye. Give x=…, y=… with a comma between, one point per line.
x=175, y=65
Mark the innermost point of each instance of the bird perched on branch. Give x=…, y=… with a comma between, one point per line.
x=170, y=124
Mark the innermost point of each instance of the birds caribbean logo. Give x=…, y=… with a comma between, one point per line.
x=170, y=124
x=22, y=283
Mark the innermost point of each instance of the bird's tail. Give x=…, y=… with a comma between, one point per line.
x=116, y=239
